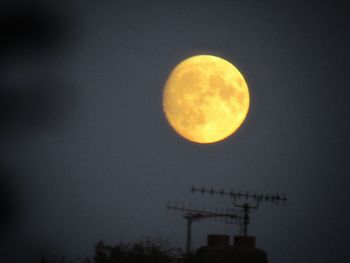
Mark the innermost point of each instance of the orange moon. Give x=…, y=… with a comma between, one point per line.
x=205, y=99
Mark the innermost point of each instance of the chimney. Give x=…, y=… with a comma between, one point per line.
x=244, y=241
x=218, y=241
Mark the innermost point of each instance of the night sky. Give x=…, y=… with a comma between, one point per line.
x=86, y=152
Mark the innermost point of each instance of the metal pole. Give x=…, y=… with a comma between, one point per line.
x=189, y=235
x=245, y=219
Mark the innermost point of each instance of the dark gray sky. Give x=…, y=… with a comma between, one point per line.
x=87, y=155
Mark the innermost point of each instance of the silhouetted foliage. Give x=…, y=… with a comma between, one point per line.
x=145, y=251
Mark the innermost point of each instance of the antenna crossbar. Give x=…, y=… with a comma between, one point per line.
x=238, y=195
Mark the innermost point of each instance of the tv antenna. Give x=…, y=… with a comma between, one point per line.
x=245, y=201
x=192, y=215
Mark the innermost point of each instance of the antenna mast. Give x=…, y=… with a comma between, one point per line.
x=196, y=215
x=251, y=201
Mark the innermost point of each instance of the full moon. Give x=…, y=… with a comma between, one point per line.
x=205, y=99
